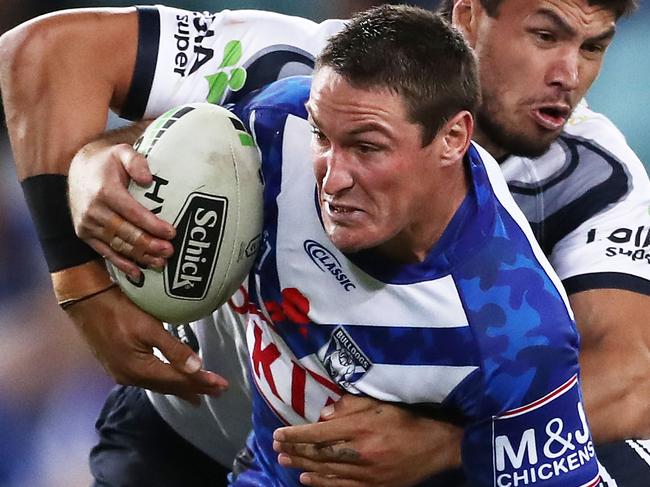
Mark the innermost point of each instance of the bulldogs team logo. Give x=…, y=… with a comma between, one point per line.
x=199, y=233
x=344, y=360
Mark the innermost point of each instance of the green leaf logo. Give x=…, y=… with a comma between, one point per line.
x=228, y=75
x=237, y=79
x=231, y=54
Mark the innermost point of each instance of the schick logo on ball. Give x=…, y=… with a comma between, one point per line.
x=199, y=232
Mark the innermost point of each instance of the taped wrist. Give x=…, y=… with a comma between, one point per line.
x=75, y=268
x=46, y=196
x=81, y=282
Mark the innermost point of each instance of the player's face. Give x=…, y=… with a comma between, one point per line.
x=537, y=60
x=375, y=180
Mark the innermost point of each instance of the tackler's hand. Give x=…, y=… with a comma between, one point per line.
x=107, y=217
x=364, y=442
x=123, y=337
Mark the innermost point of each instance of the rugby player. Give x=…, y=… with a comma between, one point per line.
x=615, y=284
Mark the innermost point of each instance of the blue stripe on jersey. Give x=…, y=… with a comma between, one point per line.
x=607, y=280
x=557, y=206
x=145, y=64
x=406, y=346
x=265, y=422
x=519, y=315
x=270, y=64
x=286, y=97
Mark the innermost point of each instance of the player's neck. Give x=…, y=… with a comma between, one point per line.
x=484, y=141
x=414, y=243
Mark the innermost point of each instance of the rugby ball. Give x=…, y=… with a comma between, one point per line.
x=208, y=184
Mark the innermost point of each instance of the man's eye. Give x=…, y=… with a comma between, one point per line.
x=594, y=48
x=318, y=135
x=367, y=148
x=545, y=36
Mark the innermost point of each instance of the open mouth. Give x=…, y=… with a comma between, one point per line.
x=552, y=117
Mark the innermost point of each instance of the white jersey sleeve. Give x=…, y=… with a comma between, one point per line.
x=588, y=201
x=186, y=56
x=612, y=247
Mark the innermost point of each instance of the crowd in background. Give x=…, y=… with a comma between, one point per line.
x=51, y=388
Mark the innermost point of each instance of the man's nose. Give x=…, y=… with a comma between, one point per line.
x=564, y=72
x=338, y=176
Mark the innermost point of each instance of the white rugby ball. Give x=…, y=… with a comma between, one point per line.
x=208, y=184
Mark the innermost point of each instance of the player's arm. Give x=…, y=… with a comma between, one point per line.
x=615, y=360
x=59, y=74
x=604, y=267
x=186, y=57
x=100, y=203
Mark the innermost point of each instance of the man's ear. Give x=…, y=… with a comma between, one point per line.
x=456, y=136
x=465, y=18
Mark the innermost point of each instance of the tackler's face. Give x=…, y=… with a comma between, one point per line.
x=373, y=174
x=537, y=59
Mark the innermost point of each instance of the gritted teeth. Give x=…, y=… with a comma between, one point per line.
x=339, y=209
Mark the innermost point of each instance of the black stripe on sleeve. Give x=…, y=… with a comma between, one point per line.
x=607, y=280
x=145, y=63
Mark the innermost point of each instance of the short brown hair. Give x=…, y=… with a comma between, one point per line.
x=412, y=52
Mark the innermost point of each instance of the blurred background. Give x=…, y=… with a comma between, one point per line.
x=51, y=388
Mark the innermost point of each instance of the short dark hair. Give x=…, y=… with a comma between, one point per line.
x=619, y=7
x=412, y=52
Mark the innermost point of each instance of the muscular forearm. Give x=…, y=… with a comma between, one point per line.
x=59, y=75
x=615, y=360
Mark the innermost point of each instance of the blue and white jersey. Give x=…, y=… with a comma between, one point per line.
x=479, y=331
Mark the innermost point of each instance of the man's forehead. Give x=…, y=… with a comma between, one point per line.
x=331, y=94
x=579, y=15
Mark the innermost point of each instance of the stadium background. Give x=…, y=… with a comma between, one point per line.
x=51, y=388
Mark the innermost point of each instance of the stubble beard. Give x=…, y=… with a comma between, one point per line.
x=501, y=140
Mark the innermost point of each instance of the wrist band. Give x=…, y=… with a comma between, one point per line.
x=70, y=303
x=81, y=282
x=75, y=268
x=46, y=196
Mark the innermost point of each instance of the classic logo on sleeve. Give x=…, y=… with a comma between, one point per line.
x=326, y=261
x=545, y=442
